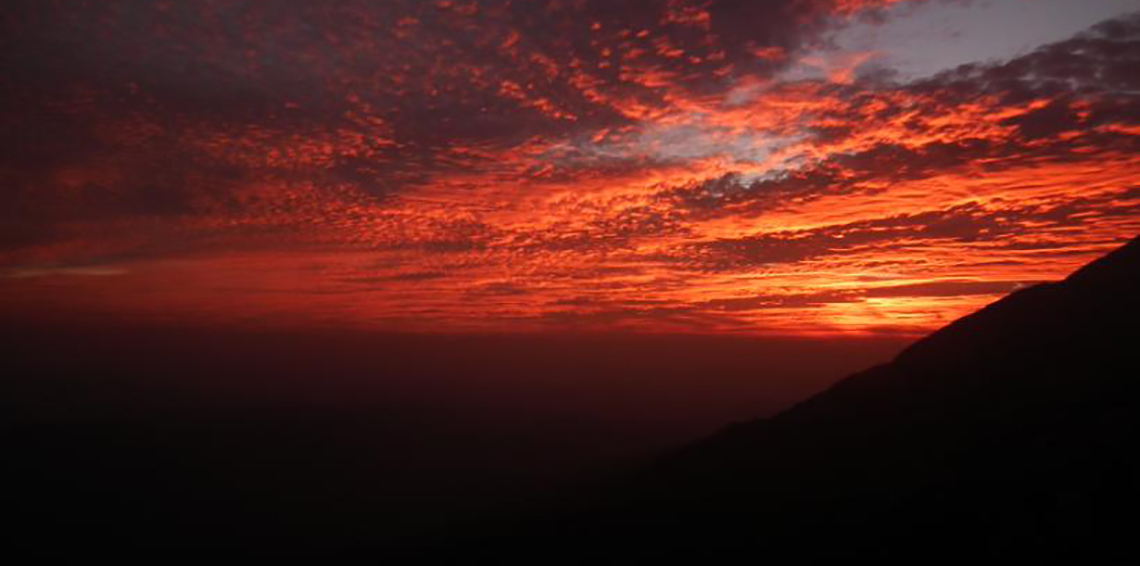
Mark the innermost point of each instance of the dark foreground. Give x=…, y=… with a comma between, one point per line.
x=1009, y=437
x=119, y=438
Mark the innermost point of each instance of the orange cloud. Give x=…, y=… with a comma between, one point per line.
x=484, y=166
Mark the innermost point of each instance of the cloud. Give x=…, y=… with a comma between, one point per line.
x=946, y=289
x=983, y=117
x=494, y=162
x=84, y=271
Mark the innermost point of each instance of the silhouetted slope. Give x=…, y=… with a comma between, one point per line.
x=1009, y=434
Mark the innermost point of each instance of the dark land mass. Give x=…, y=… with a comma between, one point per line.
x=118, y=437
x=1010, y=437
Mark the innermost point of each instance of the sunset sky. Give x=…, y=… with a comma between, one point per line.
x=805, y=167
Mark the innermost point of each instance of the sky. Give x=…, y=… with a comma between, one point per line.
x=798, y=167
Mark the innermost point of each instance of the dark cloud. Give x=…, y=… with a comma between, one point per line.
x=498, y=289
x=1082, y=84
x=411, y=276
x=179, y=104
x=968, y=223
x=563, y=161
x=438, y=72
x=135, y=83
x=802, y=300
x=946, y=289
x=773, y=301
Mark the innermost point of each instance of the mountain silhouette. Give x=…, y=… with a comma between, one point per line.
x=1010, y=434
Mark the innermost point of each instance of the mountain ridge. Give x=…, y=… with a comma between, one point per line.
x=1005, y=434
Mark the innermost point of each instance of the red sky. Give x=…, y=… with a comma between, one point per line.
x=785, y=166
